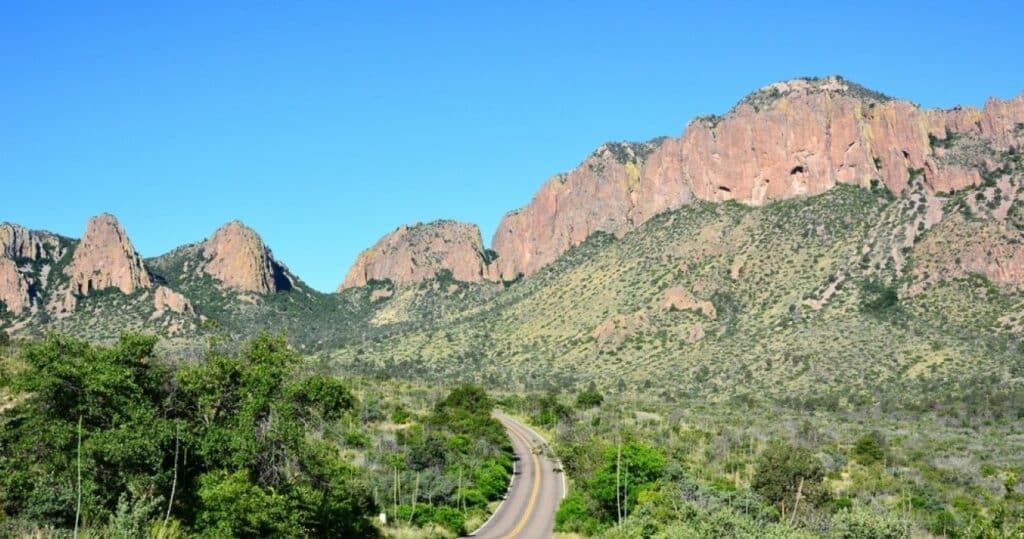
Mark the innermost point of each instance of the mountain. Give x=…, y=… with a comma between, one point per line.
x=105, y=258
x=817, y=233
x=788, y=139
x=413, y=253
x=236, y=257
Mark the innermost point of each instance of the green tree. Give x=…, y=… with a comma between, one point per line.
x=589, y=398
x=623, y=477
x=118, y=395
x=782, y=471
x=869, y=449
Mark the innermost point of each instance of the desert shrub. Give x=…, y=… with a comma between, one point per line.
x=782, y=470
x=869, y=449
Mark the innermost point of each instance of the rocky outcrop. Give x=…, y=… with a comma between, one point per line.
x=613, y=332
x=105, y=259
x=237, y=257
x=17, y=242
x=680, y=299
x=14, y=289
x=165, y=299
x=616, y=187
x=415, y=253
x=785, y=140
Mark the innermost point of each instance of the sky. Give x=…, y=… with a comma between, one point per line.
x=325, y=125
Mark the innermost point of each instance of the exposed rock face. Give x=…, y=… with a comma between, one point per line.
x=165, y=299
x=13, y=287
x=680, y=299
x=19, y=242
x=237, y=257
x=105, y=258
x=788, y=139
x=614, y=331
x=415, y=253
x=617, y=187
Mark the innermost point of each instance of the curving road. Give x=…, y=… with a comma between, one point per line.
x=537, y=488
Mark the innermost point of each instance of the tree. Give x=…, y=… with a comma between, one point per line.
x=783, y=472
x=590, y=398
x=624, y=476
x=117, y=395
x=118, y=416
x=869, y=449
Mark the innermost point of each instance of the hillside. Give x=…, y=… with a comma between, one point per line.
x=845, y=298
x=819, y=243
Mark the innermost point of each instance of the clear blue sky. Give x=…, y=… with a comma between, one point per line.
x=324, y=125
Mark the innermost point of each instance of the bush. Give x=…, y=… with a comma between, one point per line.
x=782, y=470
x=869, y=449
x=625, y=478
x=575, y=516
x=878, y=297
x=590, y=398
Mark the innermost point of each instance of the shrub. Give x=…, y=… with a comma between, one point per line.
x=783, y=470
x=869, y=449
x=575, y=516
x=591, y=398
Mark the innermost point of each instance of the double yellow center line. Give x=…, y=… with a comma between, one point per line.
x=531, y=504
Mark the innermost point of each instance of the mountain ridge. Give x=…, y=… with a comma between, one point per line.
x=958, y=162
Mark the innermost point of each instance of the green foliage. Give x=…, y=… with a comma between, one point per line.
x=231, y=505
x=449, y=518
x=466, y=410
x=576, y=516
x=229, y=433
x=548, y=410
x=119, y=396
x=589, y=398
x=783, y=470
x=869, y=449
x=878, y=297
x=623, y=476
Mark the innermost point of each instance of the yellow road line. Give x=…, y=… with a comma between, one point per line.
x=536, y=485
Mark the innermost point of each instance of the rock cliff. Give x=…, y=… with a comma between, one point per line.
x=237, y=257
x=105, y=258
x=418, y=252
x=788, y=139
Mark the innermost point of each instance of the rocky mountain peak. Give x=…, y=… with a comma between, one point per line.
x=832, y=86
x=237, y=257
x=105, y=258
x=794, y=138
x=418, y=252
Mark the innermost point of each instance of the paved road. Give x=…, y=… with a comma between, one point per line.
x=530, y=505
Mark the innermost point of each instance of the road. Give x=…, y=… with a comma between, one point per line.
x=537, y=488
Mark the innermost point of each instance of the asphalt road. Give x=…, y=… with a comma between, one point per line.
x=537, y=488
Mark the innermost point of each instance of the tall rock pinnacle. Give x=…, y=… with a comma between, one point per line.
x=105, y=258
x=237, y=257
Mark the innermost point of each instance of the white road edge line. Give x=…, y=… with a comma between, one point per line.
x=497, y=510
x=565, y=489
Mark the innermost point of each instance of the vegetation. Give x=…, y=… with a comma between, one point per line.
x=118, y=442
x=642, y=467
